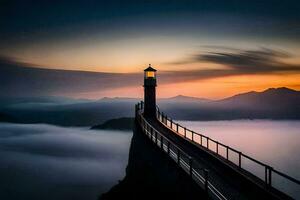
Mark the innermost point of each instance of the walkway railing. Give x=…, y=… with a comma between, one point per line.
x=266, y=172
x=183, y=160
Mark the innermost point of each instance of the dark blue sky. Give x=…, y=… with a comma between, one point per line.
x=33, y=16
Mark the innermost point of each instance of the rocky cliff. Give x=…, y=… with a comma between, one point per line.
x=151, y=174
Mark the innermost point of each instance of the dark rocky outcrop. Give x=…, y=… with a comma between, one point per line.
x=7, y=118
x=124, y=123
x=151, y=174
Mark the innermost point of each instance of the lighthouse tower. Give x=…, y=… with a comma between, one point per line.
x=149, y=92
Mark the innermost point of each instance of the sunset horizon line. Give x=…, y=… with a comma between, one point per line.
x=200, y=97
x=162, y=98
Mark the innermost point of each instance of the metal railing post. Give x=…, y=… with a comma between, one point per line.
x=266, y=175
x=177, y=128
x=217, y=147
x=240, y=159
x=171, y=123
x=270, y=176
x=207, y=142
x=226, y=152
x=192, y=135
x=201, y=140
x=184, y=132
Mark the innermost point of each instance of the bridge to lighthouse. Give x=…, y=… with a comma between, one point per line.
x=221, y=171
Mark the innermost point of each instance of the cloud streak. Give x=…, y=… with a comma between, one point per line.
x=252, y=61
x=19, y=79
x=237, y=61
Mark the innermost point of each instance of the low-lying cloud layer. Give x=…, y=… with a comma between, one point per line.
x=49, y=162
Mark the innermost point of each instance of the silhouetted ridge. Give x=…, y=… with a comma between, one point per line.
x=183, y=98
x=273, y=103
x=7, y=118
x=124, y=123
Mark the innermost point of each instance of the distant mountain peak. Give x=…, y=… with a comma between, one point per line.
x=107, y=99
x=270, y=94
x=280, y=89
x=181, y=97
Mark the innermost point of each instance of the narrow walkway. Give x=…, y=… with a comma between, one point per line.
x=230, y=183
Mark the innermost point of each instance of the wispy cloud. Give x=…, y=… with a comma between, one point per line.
x=21, y=79
x=252, y=61
x=238, y=61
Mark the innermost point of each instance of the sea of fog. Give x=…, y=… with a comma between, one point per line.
x=51, y=162
x=274, y=142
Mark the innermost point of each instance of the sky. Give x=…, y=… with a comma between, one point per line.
x=204, y=48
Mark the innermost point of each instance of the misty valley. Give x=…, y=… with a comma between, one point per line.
x=60, y=163
x=77, y=163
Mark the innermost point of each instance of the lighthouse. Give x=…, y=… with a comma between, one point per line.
x=149, y=92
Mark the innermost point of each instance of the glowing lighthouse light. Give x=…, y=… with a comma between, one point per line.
x=150, y=72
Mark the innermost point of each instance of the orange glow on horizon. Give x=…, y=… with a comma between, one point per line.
x=217, y=88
